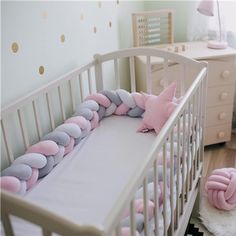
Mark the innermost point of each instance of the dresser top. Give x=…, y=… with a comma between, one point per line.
x=199, y=50
x=196, y=50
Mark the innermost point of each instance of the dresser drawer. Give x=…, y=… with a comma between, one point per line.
x=219, y=115
x=175, y=73
x=220, y=95
x=221, y=73
x=217, y=134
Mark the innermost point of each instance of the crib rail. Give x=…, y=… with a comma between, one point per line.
x=196, y=93
x=73, y=81
x=188, y=118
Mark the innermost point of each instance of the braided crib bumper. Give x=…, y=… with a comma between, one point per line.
x=40, y=158
x=221, y=188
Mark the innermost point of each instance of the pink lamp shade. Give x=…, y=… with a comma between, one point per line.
x=206, y=8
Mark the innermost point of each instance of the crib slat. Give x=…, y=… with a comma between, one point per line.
x=178, y=173
x=118, y=230
x=183, y=162
x=199, y=125
x=50, y=111
x=7, y=224
x=132, y=218
x=183, y=80
x=193, y=142
x=7, y=143
x=23, y=128
x=148, y=76
x=145, y=198
x=98, y=73
x=165, y=73
x=46, y=232
x=117, y=74
x=197, y=129
x=81, y=87
x=90, y=81
x=132, y=74
x=164, y=189
x=172, y=182
x=188, y=151
x=203, y=111
x=156, y=198
x=37, y=121
x=63, y=114
x=72, y=95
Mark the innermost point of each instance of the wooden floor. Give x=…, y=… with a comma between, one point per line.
x=219, y=156
x=216, y=156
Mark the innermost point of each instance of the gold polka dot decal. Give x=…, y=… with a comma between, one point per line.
x=94, y=30
x=110, y=24
x=41, y=70
x=99, y=4
x=81, y=16
x=14, y=47
x=45, y=15
x=62, y=38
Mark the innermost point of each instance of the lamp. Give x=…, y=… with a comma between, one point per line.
x=206, y=7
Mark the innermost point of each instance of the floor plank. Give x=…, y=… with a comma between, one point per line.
x=219, y=156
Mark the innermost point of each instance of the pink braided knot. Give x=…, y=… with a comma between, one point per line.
x=221, y=188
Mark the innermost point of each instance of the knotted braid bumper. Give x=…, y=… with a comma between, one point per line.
x=41, y=157
x=221, y=188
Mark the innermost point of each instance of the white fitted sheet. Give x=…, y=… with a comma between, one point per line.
x=86, y=185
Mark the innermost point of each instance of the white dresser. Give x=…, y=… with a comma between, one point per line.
x=221, y=84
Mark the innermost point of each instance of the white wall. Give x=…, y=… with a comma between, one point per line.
x=37, y=27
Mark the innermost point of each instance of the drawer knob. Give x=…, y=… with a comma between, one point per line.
x=221, y=134
x=225, y=74
x=223, y=96
x=222, y=116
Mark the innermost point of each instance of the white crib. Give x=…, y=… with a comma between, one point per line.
x=24, y=122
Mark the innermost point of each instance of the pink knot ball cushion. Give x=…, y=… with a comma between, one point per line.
x=221, y=188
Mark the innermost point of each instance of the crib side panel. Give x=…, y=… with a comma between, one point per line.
x=181, y=166
x=26, y=121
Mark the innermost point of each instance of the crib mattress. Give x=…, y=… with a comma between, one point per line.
x=86, y=185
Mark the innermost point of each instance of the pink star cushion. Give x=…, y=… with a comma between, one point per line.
x=158, y=109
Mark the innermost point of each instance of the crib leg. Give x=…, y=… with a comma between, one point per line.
x=7, y=224
x=196, y=207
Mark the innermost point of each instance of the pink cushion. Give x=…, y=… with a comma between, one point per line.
x=158, y=109
x=221, y=188
x=47, y=148
x=10, y=183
